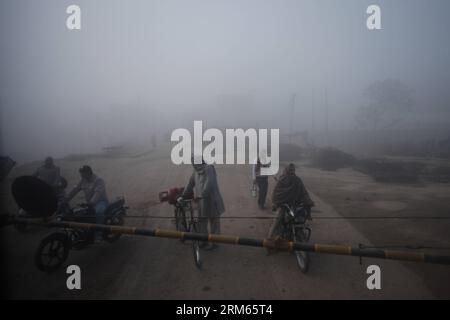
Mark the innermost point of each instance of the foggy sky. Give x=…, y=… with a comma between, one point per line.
x=140, y=67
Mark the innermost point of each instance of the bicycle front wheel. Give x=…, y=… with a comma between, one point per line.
x=180, y=220
x=196, y=249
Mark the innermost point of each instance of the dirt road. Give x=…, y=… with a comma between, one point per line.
x=152, y=268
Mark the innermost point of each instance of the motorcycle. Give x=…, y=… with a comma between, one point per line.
x=54, y=249
x=295, y=228
x=42, y=202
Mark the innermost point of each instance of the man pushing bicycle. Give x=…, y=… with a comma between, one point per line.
x=203, y=183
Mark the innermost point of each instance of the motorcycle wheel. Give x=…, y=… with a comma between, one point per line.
x=302, y=257
x=53, y=250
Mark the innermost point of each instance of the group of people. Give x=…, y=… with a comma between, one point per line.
x=289, y=190
x=203, y=182
x=93, y=187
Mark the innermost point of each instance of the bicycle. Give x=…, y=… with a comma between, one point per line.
x=185, y=221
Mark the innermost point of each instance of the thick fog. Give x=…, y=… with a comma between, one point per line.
x=142, y=67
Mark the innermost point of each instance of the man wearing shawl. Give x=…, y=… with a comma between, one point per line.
x=291, y=191
x=203, y=183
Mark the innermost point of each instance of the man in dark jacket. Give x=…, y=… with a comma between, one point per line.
x=261, y=181
x=289, y=190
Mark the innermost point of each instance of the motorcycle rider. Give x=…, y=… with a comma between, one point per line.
x=94, y=192
x=289, y=190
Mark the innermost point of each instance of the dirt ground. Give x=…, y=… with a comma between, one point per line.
x=354, y=194
x=154, y=268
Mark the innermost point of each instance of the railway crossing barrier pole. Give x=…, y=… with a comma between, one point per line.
x=282, y=245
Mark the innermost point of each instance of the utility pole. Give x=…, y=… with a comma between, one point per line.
x=291, y=117
x=326, y=118
x=312, y=111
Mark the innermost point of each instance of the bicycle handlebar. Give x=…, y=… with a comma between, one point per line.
x=191, y=199
x=182, y=201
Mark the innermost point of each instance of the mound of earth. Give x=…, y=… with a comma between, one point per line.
x=290, y=152
x=332, y=159
x=383, y=170
x=439, y=174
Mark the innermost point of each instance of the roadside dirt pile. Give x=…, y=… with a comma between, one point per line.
x=290, y=152
x=397, y=171
x=387, y=170
x=439, y=174
x=384, y=170
x=332, y=159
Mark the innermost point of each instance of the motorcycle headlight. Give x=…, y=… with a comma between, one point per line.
x=300, y=215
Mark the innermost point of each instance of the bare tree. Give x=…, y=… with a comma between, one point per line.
x=386, y=104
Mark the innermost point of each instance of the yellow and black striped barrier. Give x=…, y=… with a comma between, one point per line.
x=282, y=245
